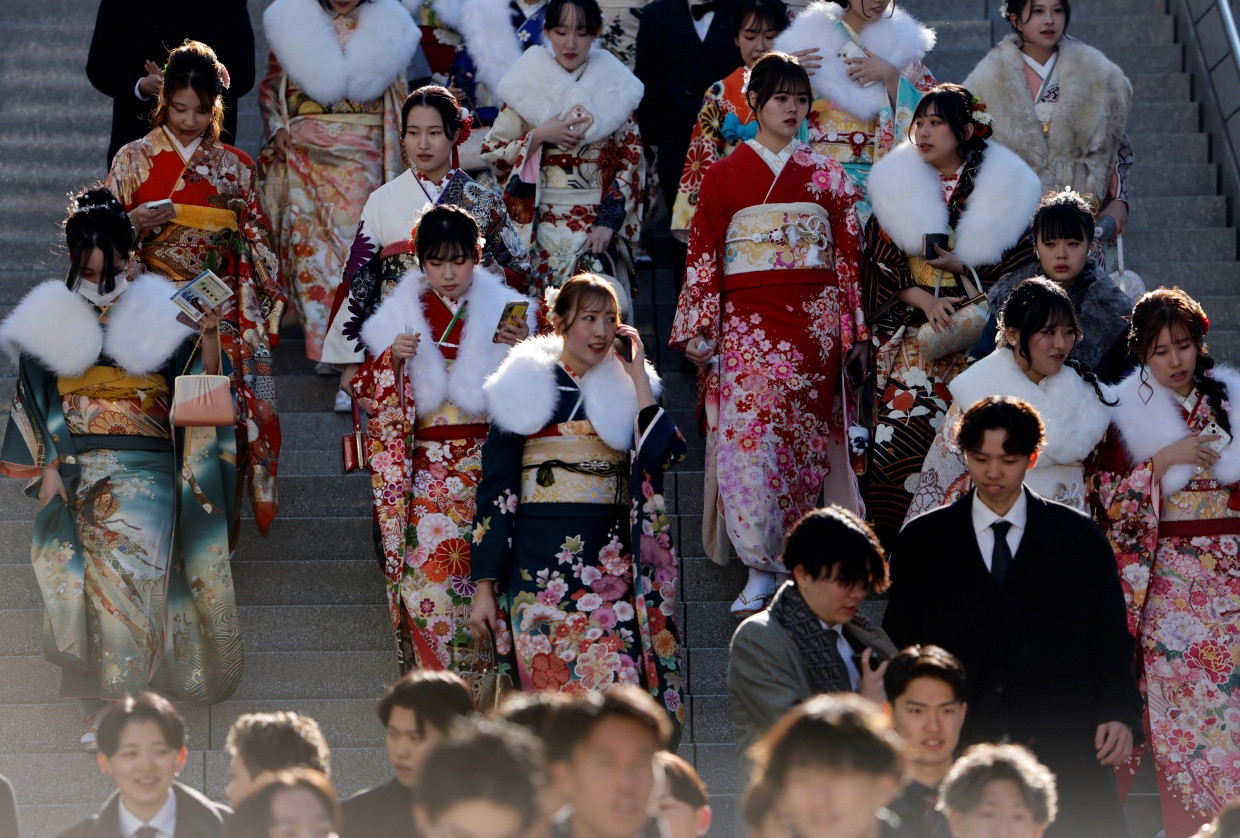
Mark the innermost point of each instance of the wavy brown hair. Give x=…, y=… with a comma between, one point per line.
x=194, y=65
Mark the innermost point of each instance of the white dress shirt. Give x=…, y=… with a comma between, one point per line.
x=164, y=822
x=701, y=26
x=984, y=516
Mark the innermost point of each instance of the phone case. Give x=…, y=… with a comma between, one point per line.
x=1214, y=429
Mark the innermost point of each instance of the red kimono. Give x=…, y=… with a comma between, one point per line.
x=772, y=279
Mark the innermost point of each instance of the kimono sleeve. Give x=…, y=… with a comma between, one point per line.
x=697, y=310
x=846, y=233
x=270, y=106
x=256, y=229
x=1014, y=258
x=496, y=515
x=624, y=191
x=26, y=449
x=884, y=273
x=706, y=148
x=944, y=474
x=506, y=149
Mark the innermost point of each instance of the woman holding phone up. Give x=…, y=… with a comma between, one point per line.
x=572, y=553
x=444, y=329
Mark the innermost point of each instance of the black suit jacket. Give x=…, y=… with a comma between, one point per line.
x=197, y=817
x=128, y=32
x=677, y=68
x=1048, y=655
x=8, y=810
x=385, y=810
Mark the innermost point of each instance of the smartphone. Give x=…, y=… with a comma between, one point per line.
x=624, y=348
x=514, y=313
x=1214, y=429
x=928, y=243
x=157, y=206
x=851, y=49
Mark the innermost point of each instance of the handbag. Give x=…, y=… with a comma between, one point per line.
x=489, y=685
x=968, y=322
x=202, y=400
x=352, y=449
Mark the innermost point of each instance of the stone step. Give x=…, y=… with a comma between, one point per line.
x=1165, y=147
x=1159, y=87
x=1156, y=246
x=1175, y=213
x=1174, y=179
x=1182, y=115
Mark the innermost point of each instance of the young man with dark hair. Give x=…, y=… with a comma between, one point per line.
x=486, y=784
x=998, y=791
x=684, y=803
x=601, y=751
x=925, y=688
x=812, y=639
x=142, y=749
x=417, y=712
x=261, y=744
x=1025, y=592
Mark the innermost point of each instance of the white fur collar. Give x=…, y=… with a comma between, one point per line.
x=477, y=356
x=538, y=88
x=303, y=38
x=1148, y=427
x=897, y=38
x=486, y=26
x=1073, y=417
x=907, y=196
x=522, y=395
x=141, y=335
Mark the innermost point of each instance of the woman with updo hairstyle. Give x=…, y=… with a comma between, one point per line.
x=865, y=62
x=131, y=536
x=295, y=803
x=949, y=179
x=770, y=313
x=433, y=126
x=1168, y=499
x=567, y=152
x=1038, y=328
x=1061, y=105
x=330, y=103
x=437, y=336
x=572, y=552
x=196, y=204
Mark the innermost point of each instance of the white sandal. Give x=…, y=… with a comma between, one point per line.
x=756, y=594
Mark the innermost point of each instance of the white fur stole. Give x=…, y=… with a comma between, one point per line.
x=1149, y=426
x=61, y=329
x=477, y=356
x=486, y=26
x=522, y=395
x=303, y=38
x=1073, y=417
x=538, y=88
x=907, y=196
x=897, y=38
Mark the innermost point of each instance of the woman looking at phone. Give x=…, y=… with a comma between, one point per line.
x=217, y=222
x=572, y=552
x=771, y=292
x=130, y=547
x=444, y=329
x=1167, y=483
x=950, y=208
x=433, y=126
x=566, y=149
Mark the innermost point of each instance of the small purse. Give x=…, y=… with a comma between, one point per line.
x=352, y=448
x=968, y=322
x=202, y=400
x=490, y=687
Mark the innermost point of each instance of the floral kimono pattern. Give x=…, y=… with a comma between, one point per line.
x=582, y=558
x=1179, y=565
x=134, y=570
x=221, y=225
x=723, y=122
x=778, y=292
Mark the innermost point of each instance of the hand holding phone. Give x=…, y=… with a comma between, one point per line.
x=513, y=316
x=930, y=241
x=624, y=348
x=1221, y=438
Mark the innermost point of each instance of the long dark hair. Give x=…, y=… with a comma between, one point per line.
x=194, y=65
x=96, y=219
x=954, y=105
x=1172, y=309
x=1034, y=305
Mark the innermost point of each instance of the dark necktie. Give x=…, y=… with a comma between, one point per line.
x=145, y=832
x=931, y=813
x=1001, y=557
x=700, y=10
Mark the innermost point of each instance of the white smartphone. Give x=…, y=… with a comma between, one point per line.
x=1216, y=445
x=851, y=49
x=157, y=206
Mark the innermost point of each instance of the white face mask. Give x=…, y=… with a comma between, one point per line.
x=90, y=291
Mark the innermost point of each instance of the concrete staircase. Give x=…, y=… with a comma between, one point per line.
x=311, y=597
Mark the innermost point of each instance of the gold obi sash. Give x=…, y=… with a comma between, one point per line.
x=179, y=249
x=768, y=237
x=926, y=277
x=448, y=422
x=573, y=466
x=108, y=401
x=208, y=219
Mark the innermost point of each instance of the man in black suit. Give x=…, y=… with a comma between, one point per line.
x=131, y=43
x=1025, y=592
x=683, y=47
x=417, y=712
x=142, y=749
